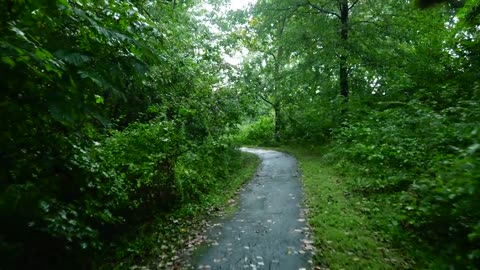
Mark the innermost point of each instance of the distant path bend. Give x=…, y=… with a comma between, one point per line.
x=269, y=230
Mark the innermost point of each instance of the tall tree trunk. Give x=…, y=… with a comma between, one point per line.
x=276, y=84
x=278, y=121
x=344, y=10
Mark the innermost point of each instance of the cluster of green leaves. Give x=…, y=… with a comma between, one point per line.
x=407, y=135
x=417, y=152
x=260, y=132
x=109, y=116
x=423, y=164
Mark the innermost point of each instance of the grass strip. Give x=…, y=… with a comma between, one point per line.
x=343, y=234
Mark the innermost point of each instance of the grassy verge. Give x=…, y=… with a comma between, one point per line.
x=344, y=233
x=167, y=242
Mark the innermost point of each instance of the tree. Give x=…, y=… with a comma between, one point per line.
x=342, y=13
x=264, y=39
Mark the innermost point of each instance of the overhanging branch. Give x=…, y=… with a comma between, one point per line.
x=323, y=10
x=353, y=4
x=265, y=99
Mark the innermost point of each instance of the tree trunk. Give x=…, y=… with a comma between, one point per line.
x=278, y=121
x=344, y=10
x=276, y=84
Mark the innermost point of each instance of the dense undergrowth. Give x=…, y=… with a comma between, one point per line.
x=423, y=169
x=109, y=122
x=169, y=239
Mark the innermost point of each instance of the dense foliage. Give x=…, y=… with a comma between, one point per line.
x=117, y=112
x=109, y=117
x=406, y=131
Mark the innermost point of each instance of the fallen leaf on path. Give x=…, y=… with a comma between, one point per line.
x=306, y=241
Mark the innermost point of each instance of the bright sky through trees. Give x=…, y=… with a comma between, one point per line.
x=238, y=56
x=239, y=4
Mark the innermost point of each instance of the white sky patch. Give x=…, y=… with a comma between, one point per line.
x=236, y=58
x=452, y=22
x=240, y=4
x=233, y=5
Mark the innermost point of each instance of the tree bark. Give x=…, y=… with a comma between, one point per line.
x=276, y=84
x=343, y=58
x=278, y=121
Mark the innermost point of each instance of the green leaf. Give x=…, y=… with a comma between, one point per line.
x=7, y=60
x=99, y=99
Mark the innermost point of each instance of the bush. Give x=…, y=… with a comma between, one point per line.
x=121, y=183
x=426, y=167
x=260, y=132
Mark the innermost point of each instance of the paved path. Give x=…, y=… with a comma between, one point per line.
x=268, y=231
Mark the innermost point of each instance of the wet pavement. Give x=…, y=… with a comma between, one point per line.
x=268, y=230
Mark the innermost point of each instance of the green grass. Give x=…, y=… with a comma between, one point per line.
x=167, y=241
x=344, y=234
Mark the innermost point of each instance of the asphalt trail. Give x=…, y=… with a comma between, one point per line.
x=268, y=231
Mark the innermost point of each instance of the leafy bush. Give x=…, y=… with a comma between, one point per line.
x=260, y=132
x=111, y=120
x=426, y=167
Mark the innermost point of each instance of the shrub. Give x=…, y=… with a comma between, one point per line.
x=260, y=132
x=424, y=165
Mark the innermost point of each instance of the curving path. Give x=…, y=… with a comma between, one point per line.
x=268, y=231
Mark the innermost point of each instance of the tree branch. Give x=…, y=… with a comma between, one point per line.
x=272, y=55
x=322, y=10
x=265, y=99
x=353, y=4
